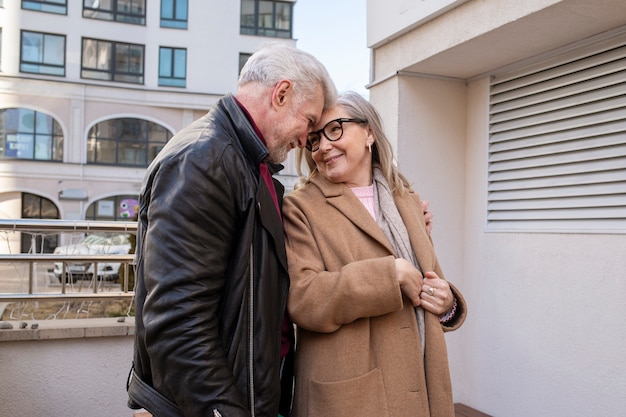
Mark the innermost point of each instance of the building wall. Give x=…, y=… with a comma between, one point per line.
x=213, y=44
x=541, y=338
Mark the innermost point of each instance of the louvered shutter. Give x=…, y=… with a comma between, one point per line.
x=557, y=146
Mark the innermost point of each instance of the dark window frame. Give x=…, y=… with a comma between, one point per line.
x=175, y=21
x=41, y=64
x=273, y=30
x=53, y=136
x=171, y=80
x=92, y=212
x=47, y=243
x=119, y=140
x=46, y=6
x=117, y=15
x=243, y=58
x=113, y=73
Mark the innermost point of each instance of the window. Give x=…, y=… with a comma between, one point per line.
x=112, y=61
x=125, y=11
x=266, y=18
x=31, y=135
x=36, y=207
x=243, y=58
x=557, y=147
x=119, y=207
x=42, y=53
x=174, y=14
x=125, y=141
x=172, y=67
x=50, y=6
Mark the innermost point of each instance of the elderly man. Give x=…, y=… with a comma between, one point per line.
x=211, y=266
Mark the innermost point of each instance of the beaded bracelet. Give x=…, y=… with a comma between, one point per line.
x=450, y=314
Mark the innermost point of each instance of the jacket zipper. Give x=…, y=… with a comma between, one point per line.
x=251, y=333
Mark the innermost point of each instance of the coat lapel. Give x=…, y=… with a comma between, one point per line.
x=410, y=210
x=340, y=197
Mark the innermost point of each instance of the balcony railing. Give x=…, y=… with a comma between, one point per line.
x=26, y=278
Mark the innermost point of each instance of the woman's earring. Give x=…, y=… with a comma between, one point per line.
x=369, y=145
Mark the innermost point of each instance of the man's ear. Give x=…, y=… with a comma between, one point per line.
x=281, y=90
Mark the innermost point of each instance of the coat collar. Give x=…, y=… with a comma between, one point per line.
x=340, y=197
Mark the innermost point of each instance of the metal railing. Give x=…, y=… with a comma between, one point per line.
x=97, y=287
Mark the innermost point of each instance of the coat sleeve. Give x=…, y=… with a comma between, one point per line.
x=461, y=311
x=322, y=298
x=192, y=224
x=424, y=247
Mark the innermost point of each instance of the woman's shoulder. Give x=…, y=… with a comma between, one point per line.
x=304, y=193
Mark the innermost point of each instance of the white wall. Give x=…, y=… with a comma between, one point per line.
x=213, y=45
x=429, y=128
x=546, y=329
x=212, y=41
x=401, y=15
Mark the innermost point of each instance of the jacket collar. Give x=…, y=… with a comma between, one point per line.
x=256, y=152
x=253, y=146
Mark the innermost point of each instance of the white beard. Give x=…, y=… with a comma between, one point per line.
x=278, y=155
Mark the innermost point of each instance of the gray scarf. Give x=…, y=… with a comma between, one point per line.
x=389, y=220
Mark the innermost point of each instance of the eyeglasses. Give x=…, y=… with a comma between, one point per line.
x=333, y=131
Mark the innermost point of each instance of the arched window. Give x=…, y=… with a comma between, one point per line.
x=119, y=207
x=126, y=142
x=29, y=134
x=37, y=207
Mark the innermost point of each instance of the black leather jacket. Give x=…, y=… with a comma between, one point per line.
x=211, y=274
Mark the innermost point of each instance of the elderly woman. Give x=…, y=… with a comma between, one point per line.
x=367, y=293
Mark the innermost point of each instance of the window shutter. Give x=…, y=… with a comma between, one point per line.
x=557, y=145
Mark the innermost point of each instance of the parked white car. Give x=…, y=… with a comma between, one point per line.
x=93, y=244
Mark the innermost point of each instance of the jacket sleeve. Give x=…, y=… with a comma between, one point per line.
x=192, y=224
x=322, y=298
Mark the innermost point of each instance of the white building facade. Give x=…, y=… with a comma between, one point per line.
x=90, y=92
x=510, y=118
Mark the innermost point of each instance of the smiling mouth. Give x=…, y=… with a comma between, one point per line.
x=332, y=159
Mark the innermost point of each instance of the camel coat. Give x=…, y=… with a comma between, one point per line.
x=358, y=351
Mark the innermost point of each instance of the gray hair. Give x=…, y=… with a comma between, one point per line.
x=278, y=61
x=358, y=107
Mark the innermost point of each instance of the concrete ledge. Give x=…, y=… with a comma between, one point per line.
x=69, y=329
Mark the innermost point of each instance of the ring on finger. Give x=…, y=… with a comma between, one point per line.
x=431, y=291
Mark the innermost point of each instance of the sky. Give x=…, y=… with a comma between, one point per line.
x=335, y=32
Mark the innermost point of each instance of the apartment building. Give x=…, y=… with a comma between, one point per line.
x=90, y=91
x=510, y=118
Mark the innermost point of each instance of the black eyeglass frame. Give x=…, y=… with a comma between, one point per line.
x=319, y=133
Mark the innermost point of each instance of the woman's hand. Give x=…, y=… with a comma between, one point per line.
x=436, y=294
x=410, y=280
